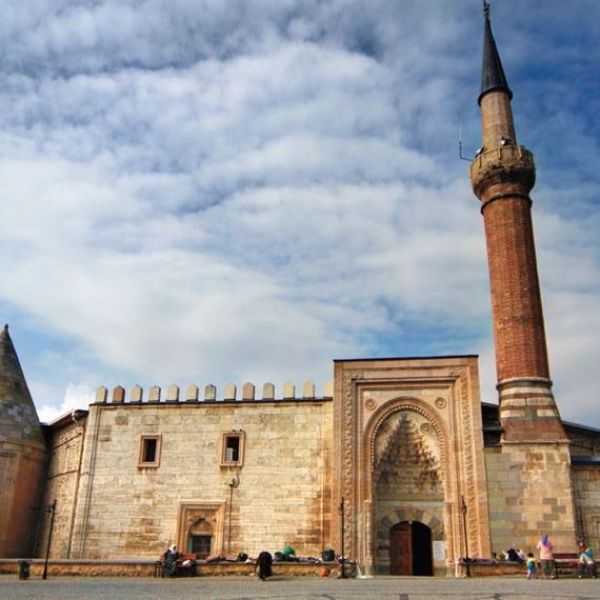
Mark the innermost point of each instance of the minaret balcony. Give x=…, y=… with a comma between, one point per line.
x=507, y=164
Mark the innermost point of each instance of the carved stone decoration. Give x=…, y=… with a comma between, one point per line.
x=407, y=466
x=370, y=404
x=384, y=428
x=426, y=428
x=347, y=450
x=440, y=403
x=417, y=452
x=418, y=410
x=210, y=516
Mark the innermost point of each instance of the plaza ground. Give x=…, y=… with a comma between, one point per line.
x=285, y=588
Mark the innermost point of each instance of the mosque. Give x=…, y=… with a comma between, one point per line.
x=398, y=462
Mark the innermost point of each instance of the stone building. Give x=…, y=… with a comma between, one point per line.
x=398, y=462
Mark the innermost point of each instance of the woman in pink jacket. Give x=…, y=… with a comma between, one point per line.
x=546, y=557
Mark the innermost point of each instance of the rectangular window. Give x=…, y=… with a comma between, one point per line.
x=149, y=451
x=201, y=545
x=233, y=449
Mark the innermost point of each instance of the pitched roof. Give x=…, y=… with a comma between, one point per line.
x=19, y=422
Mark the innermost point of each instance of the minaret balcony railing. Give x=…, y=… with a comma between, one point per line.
x=503, y=164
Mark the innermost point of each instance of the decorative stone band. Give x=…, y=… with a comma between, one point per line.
x=505, y=165
x=528, y=411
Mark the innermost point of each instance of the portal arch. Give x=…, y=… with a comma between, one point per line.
x=407, y=484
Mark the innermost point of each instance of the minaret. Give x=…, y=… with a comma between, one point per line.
x=502, y=175
x=538, y=496
x=22, y=456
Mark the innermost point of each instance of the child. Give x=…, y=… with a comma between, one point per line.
x=530, y=566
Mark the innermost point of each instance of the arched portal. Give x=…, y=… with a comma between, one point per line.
x=410, y=549
x=408, y=484
x=408, y=447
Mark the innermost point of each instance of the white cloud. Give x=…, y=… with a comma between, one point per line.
x=198, y=193
x=76, y=396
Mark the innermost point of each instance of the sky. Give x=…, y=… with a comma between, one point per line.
x=211, y=191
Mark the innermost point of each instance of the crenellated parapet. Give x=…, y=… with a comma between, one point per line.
x=509, y=166
x=247, y=393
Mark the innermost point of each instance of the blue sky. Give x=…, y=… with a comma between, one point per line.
x=210, y=191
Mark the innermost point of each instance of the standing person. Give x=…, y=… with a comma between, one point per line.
x=265, y=562
x=531, y=574
x=546, y=557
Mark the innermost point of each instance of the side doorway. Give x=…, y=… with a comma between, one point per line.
x=410, y=549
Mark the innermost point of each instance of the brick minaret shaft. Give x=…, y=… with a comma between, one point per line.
x=502, y=175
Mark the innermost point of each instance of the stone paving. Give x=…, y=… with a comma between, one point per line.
x=281, y=588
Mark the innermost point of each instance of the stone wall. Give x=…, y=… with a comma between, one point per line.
x=64, y=447
x=584, y=441
x=529, y=491
x=148, y=568
x=586, y=481
x=21, y=471
x=278, y=494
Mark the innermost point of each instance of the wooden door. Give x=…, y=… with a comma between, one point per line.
x=401, y=551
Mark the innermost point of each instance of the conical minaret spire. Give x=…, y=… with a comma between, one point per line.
x=497, y=121
x=492, y=73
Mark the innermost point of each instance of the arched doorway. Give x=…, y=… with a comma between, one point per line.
x=410, y=549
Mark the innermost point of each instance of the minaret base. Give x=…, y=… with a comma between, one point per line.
x=531, y=493
x=528, y=412
x=529, y=474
